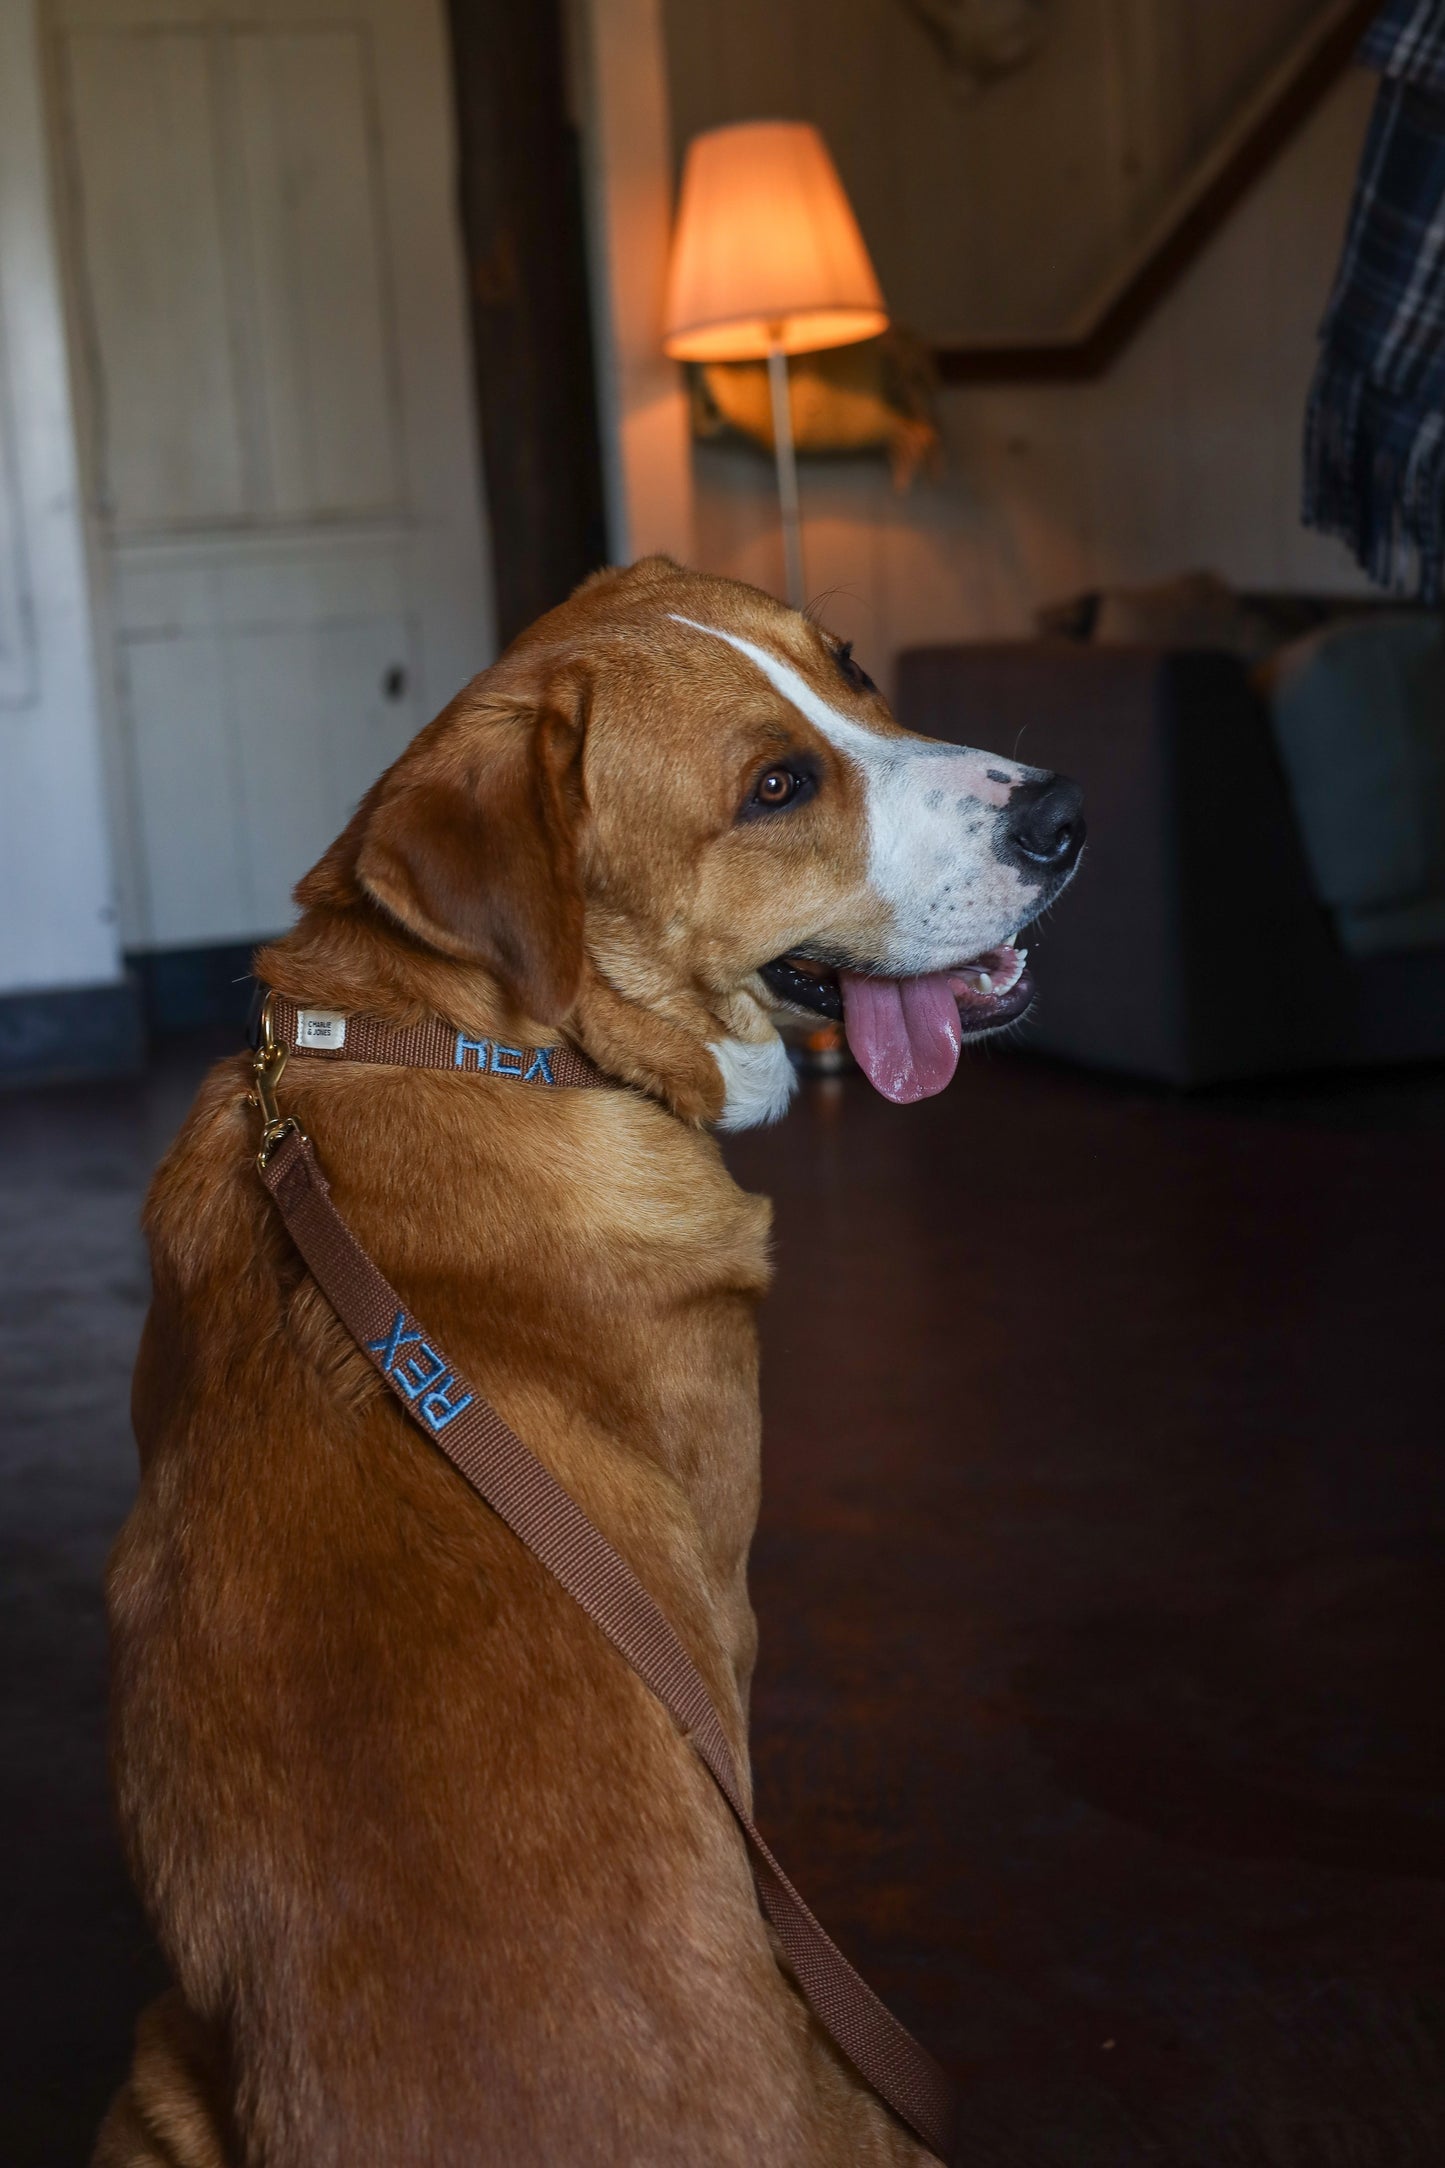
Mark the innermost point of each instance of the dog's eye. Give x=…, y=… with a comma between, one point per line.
x=854, y=672
x=783, y=784
x=777, y=787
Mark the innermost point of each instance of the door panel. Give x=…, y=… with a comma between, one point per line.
x=311, y=700
x=325, y=373
x=264, y=689
x=250, y=748
x=168, y=444
x=283, y=470
x=183, y=766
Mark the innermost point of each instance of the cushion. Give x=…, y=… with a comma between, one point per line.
x=1359, y=719
x=1195, y=610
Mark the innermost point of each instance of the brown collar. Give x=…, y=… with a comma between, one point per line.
x=332, y=1035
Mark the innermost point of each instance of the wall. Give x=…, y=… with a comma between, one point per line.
x=57, y=907
x=960, y=192
x=1187, y=453
x=619, y=93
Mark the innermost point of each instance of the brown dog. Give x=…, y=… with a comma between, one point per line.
x=439, y=1881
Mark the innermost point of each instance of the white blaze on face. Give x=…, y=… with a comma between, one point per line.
x=933, y=812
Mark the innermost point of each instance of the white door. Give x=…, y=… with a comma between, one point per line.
x=282, y=464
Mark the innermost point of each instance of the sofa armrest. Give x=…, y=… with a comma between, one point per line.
x=1190, y=947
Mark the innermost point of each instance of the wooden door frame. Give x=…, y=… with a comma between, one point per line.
x=520, y=188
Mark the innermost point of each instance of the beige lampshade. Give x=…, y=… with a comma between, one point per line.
x=767, y=249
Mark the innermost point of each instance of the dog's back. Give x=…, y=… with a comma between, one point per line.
x=407, y=1824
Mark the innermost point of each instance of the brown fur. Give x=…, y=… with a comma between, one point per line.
x=438, y=1880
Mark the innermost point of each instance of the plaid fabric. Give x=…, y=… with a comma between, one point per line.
x=1375, y=429
x=1407, y=39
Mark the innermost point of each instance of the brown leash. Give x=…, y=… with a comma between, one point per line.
x=449, y=1410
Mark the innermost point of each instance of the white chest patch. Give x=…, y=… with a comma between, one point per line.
x=759, y=1080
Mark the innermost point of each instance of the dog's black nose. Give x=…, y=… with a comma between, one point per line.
x=1043, y=822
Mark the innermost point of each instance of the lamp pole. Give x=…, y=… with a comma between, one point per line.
x=787, y=468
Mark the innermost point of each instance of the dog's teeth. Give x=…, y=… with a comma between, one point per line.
x=1022, y=955
x=985, y=983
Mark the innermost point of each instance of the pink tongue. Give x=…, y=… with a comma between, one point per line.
x=904, y=1032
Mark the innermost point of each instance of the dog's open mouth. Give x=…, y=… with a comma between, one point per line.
x=907, y=1034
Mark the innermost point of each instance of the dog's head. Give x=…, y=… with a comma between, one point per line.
x=676, y=808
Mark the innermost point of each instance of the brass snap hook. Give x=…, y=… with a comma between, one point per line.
x=267, y=1068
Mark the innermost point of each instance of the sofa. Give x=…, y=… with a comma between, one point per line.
x=1225, y=922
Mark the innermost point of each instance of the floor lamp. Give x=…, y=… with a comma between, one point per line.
x=767, y=261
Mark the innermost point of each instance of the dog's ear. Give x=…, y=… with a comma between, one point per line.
x=482, y=863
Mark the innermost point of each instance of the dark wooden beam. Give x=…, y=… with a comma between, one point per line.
x=1065, y=361
x=522, y=223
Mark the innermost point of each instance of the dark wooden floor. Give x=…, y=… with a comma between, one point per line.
x=1100, y=1583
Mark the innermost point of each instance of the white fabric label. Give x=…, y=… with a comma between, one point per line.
x=321, y=1027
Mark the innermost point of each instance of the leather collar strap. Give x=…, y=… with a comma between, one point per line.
x=332, y=1036
x=448, y=1409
